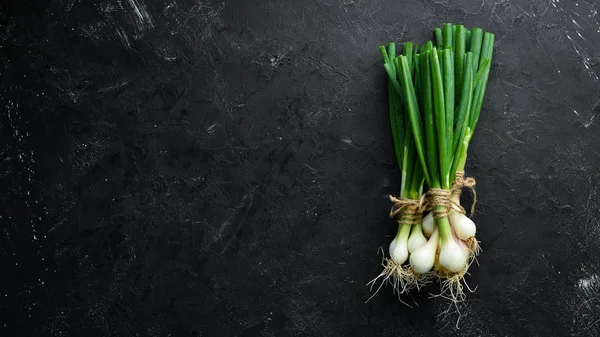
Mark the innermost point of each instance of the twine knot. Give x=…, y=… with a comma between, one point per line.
x=410, y=210
x=437, y=200
x=441, y=202
x=459, y=183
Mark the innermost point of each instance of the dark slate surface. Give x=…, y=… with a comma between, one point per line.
x=218, y=168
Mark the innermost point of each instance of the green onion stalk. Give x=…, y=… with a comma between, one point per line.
x=440, y=90
x=407, y=207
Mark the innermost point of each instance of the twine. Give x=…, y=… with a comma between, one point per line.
x=410, y=210
x=437, y=200
x=441, y=202
x=460, y=182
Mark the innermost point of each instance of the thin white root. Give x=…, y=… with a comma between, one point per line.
x=388, y=271
x=453, y=285
x=448, y=311
x=404, y=279
x=451, y=289
x=401, y=278
x=474, y=247
x=418, y=281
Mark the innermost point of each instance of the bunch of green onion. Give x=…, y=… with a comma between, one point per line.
x=435, y=97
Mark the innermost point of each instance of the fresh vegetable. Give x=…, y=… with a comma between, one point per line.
x=407, y=209
x=435, y=97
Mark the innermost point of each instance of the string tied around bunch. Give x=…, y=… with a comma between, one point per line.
x=409, y=210
x=461, y=182
x=440, y=201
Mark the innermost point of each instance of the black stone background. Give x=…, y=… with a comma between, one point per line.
x=219, y=168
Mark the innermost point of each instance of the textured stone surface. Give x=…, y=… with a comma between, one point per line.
x=218, y=168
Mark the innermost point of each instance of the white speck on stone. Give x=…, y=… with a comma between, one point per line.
x=589, y=282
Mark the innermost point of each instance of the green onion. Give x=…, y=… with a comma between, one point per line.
x=475, y=47
x=438, y=37
x=459, y=51
x=468, y=40
x=435, y=97
x=448, y=33
x=440, y=119
x=449, y=94
x=428, y=120
x=463, y=114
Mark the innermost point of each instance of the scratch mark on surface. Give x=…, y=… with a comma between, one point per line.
x=583, y=54
x=123, y=36
x=166, y=52
x=211, y=129
x=244, y=206
x=586, y=302
x=591, y=219
x=114, y=87
x=142, y=16
x=524, y=11
x=585, y=124
x=579, y=28
x=205, y=18
x=70, y=5
x=275, y=60
x=332, y=68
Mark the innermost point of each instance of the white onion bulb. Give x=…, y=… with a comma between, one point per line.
x=462, y=225
x=393, y=245
x=422, y=260
x=452, y=256
x=416, y=239
x=399, y=247
x=428, y=224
